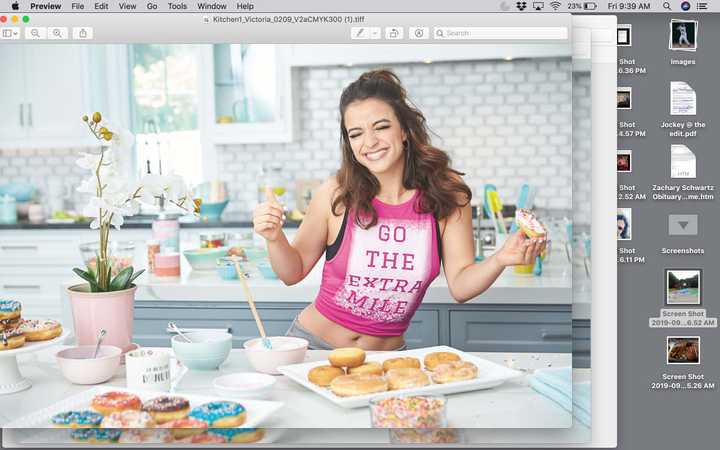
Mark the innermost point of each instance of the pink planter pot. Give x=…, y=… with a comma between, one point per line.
x=111, y=311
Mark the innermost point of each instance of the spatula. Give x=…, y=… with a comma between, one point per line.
x=243, y=282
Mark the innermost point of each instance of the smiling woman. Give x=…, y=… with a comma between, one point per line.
x=394, y=210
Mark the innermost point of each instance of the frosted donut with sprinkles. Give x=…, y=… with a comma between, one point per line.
x=10, y=309
x=77, y=419
x=529, y=223
x=220, y=414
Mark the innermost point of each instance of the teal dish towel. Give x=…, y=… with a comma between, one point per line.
x=556, y=384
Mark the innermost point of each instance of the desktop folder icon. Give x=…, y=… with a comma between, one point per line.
x=682, y=162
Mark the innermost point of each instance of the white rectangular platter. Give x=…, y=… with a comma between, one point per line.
x=490, y=375
x=257, y=410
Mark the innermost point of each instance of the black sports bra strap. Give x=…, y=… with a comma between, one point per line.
x=332, y=249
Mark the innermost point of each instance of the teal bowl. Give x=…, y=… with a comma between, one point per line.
x=205, y=258
x=207, y=351
x=266, y=270
x=213, y=211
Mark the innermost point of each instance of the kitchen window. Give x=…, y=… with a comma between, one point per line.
x=164, y=97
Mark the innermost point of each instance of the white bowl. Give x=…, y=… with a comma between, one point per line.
x=244, y=385
x=78, y=366
x=285, y=350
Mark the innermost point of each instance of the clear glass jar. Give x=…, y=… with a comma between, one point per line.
x=212, y=240
x=414, y=419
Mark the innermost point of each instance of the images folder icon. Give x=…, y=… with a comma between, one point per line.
x=682, y=162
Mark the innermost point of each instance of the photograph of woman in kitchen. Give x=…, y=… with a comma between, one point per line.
x=393, y=212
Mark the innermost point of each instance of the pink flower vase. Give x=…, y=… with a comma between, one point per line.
x=95, y=311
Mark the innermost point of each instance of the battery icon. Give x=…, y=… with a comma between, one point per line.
x=589, y=6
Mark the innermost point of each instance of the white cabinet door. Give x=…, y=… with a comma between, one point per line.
x=56, y=83
x=12, y=91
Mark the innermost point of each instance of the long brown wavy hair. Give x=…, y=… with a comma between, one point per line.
x=427, y=168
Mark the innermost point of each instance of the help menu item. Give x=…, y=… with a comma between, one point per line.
x=529, y=223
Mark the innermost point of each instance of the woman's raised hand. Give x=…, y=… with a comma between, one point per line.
x=519, y=250
x=269, y=217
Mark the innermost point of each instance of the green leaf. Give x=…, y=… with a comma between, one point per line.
x=135, y=275
x=90, y=278
x=121, y=280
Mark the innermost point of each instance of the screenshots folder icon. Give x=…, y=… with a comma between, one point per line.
x=682, y=162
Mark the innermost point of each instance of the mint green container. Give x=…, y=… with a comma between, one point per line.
x=207, y=351
x=205, y=258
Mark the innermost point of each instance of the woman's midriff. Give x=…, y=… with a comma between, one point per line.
x=339, y=336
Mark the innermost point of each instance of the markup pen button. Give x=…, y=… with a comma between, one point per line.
x=683, y=224
x=82, y=33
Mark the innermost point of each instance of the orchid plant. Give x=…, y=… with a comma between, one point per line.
x=113, y=197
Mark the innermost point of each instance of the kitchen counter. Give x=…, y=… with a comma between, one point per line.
x=139, y=223
x=513, y=405
x=554, y=287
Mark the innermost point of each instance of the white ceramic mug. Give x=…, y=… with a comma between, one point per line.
x=150, y=369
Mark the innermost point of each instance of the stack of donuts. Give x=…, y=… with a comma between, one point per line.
x=16, y=331
x=348, y=374
x=119, y=416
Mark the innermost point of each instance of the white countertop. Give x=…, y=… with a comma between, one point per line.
x=512, y=405
x=553, y=287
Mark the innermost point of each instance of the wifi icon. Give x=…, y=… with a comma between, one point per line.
x=555, y=5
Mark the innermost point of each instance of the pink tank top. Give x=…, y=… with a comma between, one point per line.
x=376, y=280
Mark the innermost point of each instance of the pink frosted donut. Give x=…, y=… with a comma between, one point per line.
x=528, y=223
x=128, y=419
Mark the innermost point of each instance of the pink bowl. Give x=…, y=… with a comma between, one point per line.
x=285, y=350
x=78, y=366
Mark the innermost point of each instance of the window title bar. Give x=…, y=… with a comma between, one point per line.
x=379, y=6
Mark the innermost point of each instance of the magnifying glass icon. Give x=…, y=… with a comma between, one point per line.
x=35, y=33
x=56, y=32
x=439, y=33
x=666, y=5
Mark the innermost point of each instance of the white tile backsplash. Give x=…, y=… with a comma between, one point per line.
x=502, y=122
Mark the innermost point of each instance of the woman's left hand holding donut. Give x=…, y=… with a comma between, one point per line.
x=520, y=250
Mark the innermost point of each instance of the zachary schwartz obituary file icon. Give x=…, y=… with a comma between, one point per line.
x=683, y=224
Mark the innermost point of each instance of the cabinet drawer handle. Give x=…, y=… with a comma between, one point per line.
x=548, y=335
x=193, y=330
x=22, y=114
x=21, y=286
x=19, y=247
x=30, y=122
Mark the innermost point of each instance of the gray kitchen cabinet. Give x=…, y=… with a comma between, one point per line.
x=520, y=328
x=581, y=343
x=424, y=329
x=151, y=320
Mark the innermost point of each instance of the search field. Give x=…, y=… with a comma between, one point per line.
x=500, y=33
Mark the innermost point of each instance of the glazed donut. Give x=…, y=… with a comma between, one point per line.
x=186, y=427
x=128, y=419
x=115, y=401
x=369, y=368
x=454, y=371
x=10, y=309
x=347, y=357
x=323, y=375
x=220, y=414
x=10, y=339
x=40, y=330
x=95, y=435
x=433, y=359
x=9, y=324
x=149, y=436
x=406, y=378
x=239, y=435
x=398, y=363
x=528, y=223
x=164, y=408
x=77, y=419
x=358, y=384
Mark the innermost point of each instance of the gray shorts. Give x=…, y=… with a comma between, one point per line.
x=316, y=343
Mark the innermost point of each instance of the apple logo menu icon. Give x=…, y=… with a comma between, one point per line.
x=15, y=6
